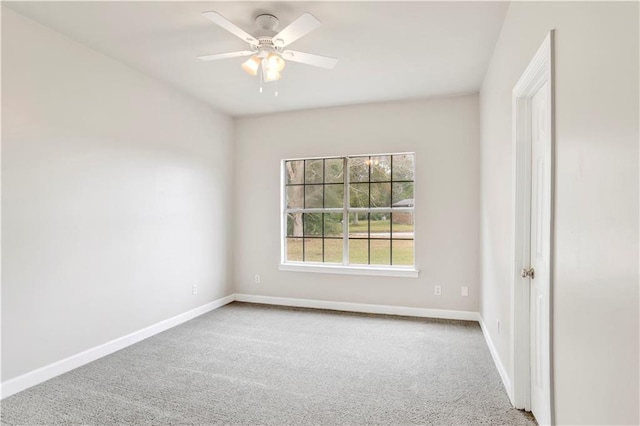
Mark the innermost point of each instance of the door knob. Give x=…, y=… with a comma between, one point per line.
x=528, y=273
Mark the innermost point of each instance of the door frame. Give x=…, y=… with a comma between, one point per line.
x=539, y=71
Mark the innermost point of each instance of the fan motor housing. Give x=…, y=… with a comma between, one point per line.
x=266, y=44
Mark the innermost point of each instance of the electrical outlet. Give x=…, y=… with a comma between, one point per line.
x=464, y=292
x=194, y=289
x=257, y=279
x=438, y=290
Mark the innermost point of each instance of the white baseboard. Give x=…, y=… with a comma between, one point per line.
x=50, y=371
x=359, y=307
x=496, y=359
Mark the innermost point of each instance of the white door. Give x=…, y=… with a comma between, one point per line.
x=540, y=255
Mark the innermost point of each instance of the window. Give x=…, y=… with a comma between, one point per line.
x=355, y=211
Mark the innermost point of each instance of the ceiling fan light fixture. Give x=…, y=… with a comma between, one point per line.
x=275, y=62
x=271, y=75
x=252, y=65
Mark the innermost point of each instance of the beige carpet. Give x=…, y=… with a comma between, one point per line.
x=257, y=364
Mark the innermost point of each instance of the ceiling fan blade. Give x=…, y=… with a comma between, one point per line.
x=310, y=59
x=298, y=28
x=220, y=20
x=217, y=56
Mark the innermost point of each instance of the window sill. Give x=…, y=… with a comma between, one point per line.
x=350, y=270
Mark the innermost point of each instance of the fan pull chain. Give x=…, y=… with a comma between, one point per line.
x=260, y=81
x=276, y=92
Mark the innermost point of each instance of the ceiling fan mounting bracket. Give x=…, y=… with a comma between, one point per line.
x=267, y=21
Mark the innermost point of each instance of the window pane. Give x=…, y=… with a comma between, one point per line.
x=402, y=225
x=333, y=250
x=333, y=170
x=313, y=171
x=380, y=252
x=313, y=224
x=358, y=225
x=295, y=196
x=403, y=167
x=402, y=253
x=359, y=251
x=313, y=249
x=294, y=249
x=294, y=225
x=333, y=224
x=334, y=195
x=381, y=168
x=380, y=225
x=402, y=194
x=294, y=171
x=359, y=194
x=380, y=182
x=380, y=195
x=359, y=169
x=313, y=196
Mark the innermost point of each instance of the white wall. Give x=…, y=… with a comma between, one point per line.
x=444, y=135
x=595, y=331
x=115, y=199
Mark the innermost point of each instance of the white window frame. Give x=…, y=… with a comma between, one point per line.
x=344, y=268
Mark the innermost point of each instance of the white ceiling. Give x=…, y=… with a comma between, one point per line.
x=386, y=50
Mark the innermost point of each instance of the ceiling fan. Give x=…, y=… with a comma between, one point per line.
x=266, y=48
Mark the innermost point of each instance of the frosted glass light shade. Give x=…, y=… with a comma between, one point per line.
x=271, y=75
x=251, y=66
x=275, y=62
